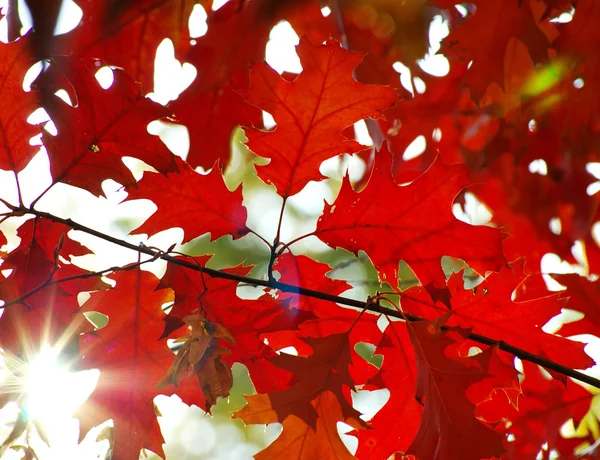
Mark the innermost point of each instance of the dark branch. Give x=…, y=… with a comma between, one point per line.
x=368, y=306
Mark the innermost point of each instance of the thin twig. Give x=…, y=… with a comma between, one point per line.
x=51, y=282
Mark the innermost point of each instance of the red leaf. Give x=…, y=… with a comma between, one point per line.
x=401, y=415
x=15, y=106
x=211, y=118
x=249, y=321
x=449, y=428
x=329, y=318
x=102, y=128
x=132, y=360
x=494, y=24
x=310, y=410
x=413, y=223
x=48, y=315
x=582, y=295
x=546, y=405
x=310, y=112
x=490, y=311
x=127, y=33
x=194, y=202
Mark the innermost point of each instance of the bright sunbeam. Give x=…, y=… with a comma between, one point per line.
x=52, y=390
x=46, y=389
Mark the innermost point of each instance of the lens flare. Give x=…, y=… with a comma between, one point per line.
x=52, y=390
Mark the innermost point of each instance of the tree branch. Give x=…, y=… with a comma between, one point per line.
x=284, y=287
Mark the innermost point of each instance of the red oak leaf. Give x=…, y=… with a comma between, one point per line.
x=132, y=360
x=211, y=107
x=47, y=314
x=310, y=410
x=414, y=222
x=211, y=118
x=101, y=128
x=395, y=426
x=310, y=112
x=449, y=428
x=127, y=33
x=15, y=106
x=329, y=318
x=445, y=116
x=494, y=24
x=489, y=310
x=196, y=203
x=546, y=405
x=582, y=295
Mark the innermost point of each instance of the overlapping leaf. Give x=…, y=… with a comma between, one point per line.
x=16, y=106
x=401, y=415
x=310, y=112
x=494, y=23
x=413, y=223
x=42, y=311
x=132, y=360
x=249, y=321
x=489, y=310
x=204, y=204
x=109, y=29
x=100, y=128
x=310, y=410
x=449, y=428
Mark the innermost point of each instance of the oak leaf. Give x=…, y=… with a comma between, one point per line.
x=15, y=106
x=415, y=222
x=204, y=204
x=100, y=128
x=310, y=112
x=310, y=410
x=449, y=428
x=201, y=351
x=494, y=24
x=132, y=360
x=490, y=310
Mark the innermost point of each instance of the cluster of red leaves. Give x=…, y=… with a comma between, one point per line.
x=521, y=87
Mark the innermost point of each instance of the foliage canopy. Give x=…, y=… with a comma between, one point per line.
x=520, y=92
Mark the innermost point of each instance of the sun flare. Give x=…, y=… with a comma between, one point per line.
x=52, y=390
x=46, y=388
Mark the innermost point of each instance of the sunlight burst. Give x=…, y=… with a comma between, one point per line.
x=52, y=389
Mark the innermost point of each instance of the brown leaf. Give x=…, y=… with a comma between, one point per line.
x=201, y=354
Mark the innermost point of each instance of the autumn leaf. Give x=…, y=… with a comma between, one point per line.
x=201, y=351
x=310, y=410
x=546, y=406
x=449, y=428
x=211, y=118
x=252, y=323
x=310, y=112
x=40, y=313
x=202, y=206
x=415, y=222
x=15, y=106
x=402, y=413
x=132, y=359
x=490, y=310
x=100, y=128
x=107, y=28
x=494, y=24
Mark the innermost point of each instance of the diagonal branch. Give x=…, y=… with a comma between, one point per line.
x=284, y=287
